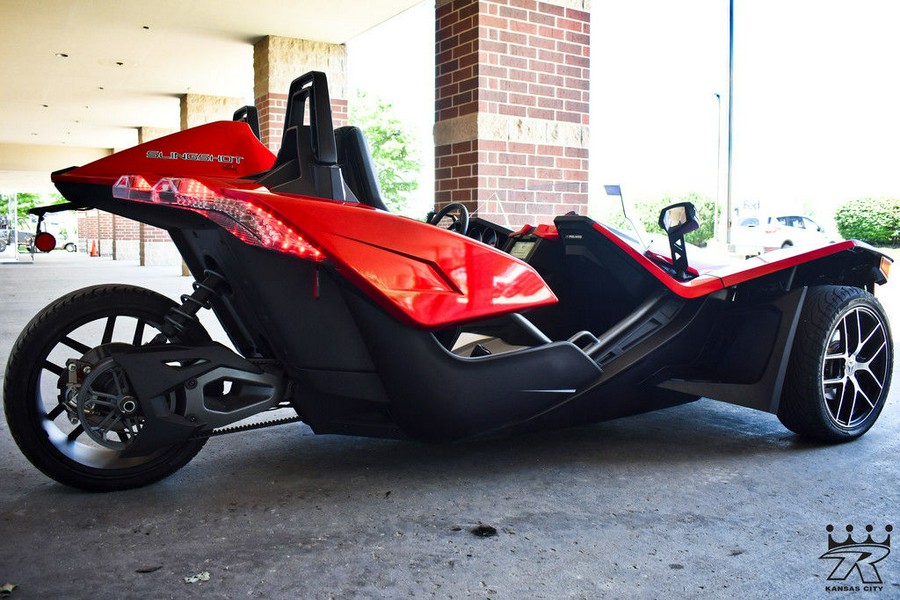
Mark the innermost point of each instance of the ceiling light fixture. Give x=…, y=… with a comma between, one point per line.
x=62, y=55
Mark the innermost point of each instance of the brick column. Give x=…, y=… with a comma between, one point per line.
x=276, y=62
x=511, y=107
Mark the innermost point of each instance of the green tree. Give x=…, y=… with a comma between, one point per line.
x=393, y=149
x=27, y=201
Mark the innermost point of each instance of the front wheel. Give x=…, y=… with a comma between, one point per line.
x=840, y=367
x=81, y=443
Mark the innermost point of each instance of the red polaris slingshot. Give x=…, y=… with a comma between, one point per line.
x=367, y=323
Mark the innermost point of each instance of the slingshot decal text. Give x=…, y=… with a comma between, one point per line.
x=224, y=159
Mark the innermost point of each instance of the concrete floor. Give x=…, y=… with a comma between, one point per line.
x=700, y=501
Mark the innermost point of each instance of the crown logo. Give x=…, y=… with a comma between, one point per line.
x=859, y=557
x=833, y=543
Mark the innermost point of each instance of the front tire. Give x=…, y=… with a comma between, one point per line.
x=43, y=423
x=839, y=372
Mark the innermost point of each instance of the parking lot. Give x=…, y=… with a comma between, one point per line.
x=705, y=500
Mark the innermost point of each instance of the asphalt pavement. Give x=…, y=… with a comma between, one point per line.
x=700, y=501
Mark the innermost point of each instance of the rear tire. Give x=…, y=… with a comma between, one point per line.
x=839, y=372
x=45, y=427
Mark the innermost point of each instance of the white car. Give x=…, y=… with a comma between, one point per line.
x=755, y=235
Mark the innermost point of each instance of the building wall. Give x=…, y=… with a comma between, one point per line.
x=511, y=107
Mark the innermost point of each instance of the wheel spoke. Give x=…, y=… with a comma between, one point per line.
x=138, y=333
x=879, y=382
x=73, y=435
x=55, y=369
x=837, y=412
x=860, y=392
x=877, y=352
x=863, y=343
x=853, y=404
x=75, y=345
x=108, y=330
x=57, y=410
x=846, y=336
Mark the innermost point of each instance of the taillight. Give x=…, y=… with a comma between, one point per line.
x=246, y=221
x=132, y=187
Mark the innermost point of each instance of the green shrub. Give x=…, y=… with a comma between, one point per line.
x=872, y=220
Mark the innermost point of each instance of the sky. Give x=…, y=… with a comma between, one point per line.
x=816, y=97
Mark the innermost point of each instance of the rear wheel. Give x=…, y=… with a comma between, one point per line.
x=79, y=442
x=840, y=367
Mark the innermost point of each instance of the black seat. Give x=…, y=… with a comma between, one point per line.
x=356, y=165
x=249, y=115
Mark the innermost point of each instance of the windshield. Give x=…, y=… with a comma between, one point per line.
x=540, y=203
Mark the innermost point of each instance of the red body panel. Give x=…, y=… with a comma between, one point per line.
x=224, y=149
x=777, y=261
x=426, y=276
x=724, y=277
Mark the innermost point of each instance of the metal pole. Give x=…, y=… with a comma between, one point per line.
x=728, y=210
x=14, y=217
x=716, y=218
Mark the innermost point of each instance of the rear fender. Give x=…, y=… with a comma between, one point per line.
x=224, y=149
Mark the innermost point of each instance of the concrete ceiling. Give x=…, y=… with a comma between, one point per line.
x=80, y=76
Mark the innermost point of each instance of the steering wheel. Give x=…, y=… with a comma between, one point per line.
x=460, y=224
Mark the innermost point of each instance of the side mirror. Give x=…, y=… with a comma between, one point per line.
x=677, y=220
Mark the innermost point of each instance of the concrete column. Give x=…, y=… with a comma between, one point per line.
x=279, y=60
x=511, y=107
x=198, y=109
x=148, y=134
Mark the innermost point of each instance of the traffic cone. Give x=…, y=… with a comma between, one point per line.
x=94, y=251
